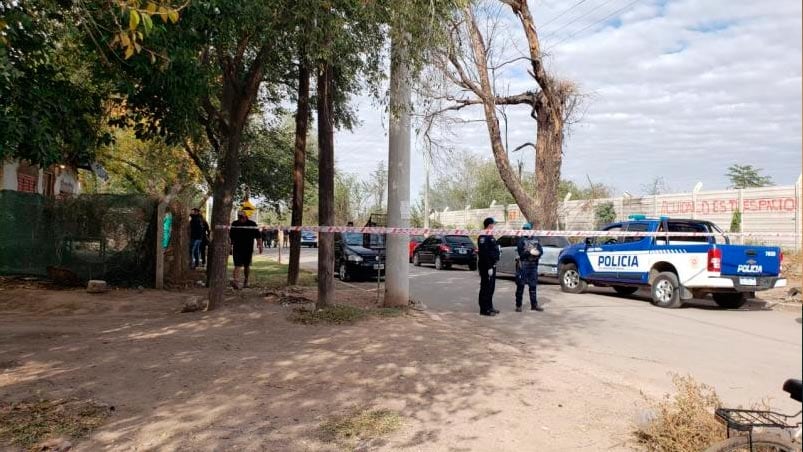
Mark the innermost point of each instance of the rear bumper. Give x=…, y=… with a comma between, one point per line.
x=459, y=259
x=738, y=284
x=365, y=268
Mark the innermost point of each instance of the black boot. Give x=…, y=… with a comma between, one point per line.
x=535, y=307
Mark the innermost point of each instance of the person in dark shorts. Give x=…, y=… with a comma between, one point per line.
x=242, y=235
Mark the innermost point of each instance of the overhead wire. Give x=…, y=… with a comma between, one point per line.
x=557, y=30
x=604, y=19
x=562, y=13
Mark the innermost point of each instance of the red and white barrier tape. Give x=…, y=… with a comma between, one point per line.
x=514, y=232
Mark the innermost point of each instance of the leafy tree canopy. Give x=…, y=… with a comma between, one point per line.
x=745, y=176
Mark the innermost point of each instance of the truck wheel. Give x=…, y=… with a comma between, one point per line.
x=666, y=291
x=570, y=280
x=625, y=290
x=438, y=263
x=730, y=300
x=416, y=260
x=344, y=272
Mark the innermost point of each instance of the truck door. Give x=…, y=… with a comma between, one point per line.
x=620, y=259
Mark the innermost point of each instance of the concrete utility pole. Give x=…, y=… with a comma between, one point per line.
x=426, y=188
x=397, y=287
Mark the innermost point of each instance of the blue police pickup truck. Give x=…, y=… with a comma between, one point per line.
x=674, y=267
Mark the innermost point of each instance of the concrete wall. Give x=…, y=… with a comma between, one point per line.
x=769, y=210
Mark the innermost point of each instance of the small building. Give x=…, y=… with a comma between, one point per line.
x=55, y=180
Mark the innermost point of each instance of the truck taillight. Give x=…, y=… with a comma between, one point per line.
x=715, y=260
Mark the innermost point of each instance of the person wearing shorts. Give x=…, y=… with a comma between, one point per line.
x=242, y=234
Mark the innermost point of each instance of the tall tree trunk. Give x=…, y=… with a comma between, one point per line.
x=512, y=182
x=222, y=201
x=326, y=186
x=299, y=161
x=548, y=159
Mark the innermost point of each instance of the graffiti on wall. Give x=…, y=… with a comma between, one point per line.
x=786, y=204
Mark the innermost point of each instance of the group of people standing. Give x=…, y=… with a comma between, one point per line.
x=528, y=251
x=199, y=238
x=272, y=238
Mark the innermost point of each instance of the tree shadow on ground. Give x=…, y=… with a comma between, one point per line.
x=245, y=377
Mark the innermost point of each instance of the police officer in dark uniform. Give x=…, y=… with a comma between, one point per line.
x=529, y=251
x=488, y=257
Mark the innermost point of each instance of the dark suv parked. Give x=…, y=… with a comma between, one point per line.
x=445, y=251
x=359, y=255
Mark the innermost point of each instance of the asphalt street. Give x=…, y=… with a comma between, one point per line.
x=744, y=354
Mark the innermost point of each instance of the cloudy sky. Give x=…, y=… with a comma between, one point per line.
x=674, y=88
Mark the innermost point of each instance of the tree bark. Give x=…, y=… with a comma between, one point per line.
x=223, y=199
x=299, y=163
x=525, y=201
x=326, y=185
x=548, y=160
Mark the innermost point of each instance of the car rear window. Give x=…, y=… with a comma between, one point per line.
x=459, y=240
x=685, y=227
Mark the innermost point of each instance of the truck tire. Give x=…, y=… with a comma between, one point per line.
x=625, y=290
x=665, y=290
x=730, y=300
x=570, y=280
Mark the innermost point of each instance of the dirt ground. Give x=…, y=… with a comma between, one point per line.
x=244, y=377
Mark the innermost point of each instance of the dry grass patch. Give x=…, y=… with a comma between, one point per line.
x=360, y=425
x=27, y=423
x=341, y=314
x=684, y=422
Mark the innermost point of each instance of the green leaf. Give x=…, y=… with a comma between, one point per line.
x=147, y=22
x=133, y=19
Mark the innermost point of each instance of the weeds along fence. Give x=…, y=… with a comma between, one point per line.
x=91, y=236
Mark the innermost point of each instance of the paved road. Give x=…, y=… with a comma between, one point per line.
x=745, y=354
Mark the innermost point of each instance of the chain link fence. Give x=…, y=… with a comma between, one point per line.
x=110, y=237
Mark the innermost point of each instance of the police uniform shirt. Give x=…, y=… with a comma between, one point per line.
x=525, y=245
x=488, y=250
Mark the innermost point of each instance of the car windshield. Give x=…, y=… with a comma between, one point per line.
x=357, y=239
x=458, y=240
x=416, y=238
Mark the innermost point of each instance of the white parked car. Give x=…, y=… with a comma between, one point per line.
x=547, y=265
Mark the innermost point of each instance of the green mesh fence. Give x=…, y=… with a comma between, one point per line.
x=108, y=237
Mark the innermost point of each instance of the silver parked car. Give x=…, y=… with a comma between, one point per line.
x=547, y=266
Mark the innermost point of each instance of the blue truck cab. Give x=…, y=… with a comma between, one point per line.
x=675, y=267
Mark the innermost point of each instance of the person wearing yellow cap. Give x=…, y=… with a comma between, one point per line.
x=242, y=234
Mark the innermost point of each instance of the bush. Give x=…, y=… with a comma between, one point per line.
x=736, y=221
x=684, y=422
x=604, y=213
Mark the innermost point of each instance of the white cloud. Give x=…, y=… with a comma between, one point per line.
x=679, y=89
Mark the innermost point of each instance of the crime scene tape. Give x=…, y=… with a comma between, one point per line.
x=513, y=232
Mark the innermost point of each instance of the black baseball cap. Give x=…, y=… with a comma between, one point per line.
x=488, y=221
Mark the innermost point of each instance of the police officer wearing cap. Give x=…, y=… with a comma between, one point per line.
x=529, y=251
x=488, y=257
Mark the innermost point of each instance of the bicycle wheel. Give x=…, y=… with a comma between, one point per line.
x=762, y=442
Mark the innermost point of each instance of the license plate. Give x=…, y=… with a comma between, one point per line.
x=747, y=281
x=462, y=251
x=379, y=266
